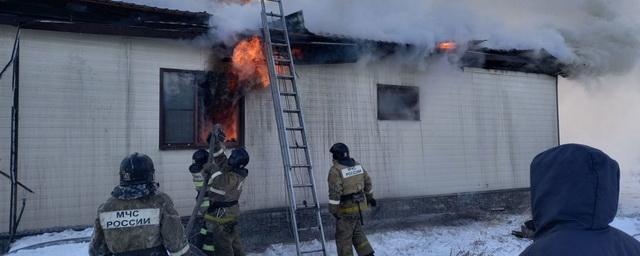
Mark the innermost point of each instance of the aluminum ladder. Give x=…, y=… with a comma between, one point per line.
x=304, y=208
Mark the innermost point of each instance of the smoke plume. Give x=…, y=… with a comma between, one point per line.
x=593, y=37
x=603, y=112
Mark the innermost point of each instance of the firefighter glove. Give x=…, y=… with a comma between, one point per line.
x=371, y=201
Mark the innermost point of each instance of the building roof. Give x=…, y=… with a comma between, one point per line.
x=331, y=48
x=121, y=18
x=103, y=17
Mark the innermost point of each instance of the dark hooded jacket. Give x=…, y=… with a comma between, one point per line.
x=574, y=197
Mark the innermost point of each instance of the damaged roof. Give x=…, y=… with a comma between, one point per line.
x=318, y=48
x=121, y=18
x=103, y=17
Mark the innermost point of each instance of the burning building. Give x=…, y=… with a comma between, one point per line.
x=101, y=79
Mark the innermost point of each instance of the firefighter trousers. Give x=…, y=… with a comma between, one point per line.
x=225, y=239
x=349, y=234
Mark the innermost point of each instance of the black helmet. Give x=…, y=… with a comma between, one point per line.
x=340, y=151
x=239, y=158
x=136, y=169
x=200, y=157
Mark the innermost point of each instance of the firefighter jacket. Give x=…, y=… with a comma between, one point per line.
x=138, y=221
x=349, y=188
x=225, y=188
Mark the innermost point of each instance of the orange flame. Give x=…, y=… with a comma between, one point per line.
x=231, y=126
x=249, y=62
x=229, y=120
x=447, y=46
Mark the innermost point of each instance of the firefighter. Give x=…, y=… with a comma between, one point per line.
x=138, y=219
x=199, y=174
x=225, y=188
x=350, y=193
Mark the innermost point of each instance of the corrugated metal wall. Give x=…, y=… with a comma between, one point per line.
x=6, y=100
x=88, y=100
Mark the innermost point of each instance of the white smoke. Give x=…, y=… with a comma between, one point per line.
x=603, y=112
x=594, y=37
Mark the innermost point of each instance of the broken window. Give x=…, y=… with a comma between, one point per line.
x=191, y=102
x=398, y=102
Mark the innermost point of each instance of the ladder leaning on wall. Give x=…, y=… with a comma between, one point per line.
x=304, y=208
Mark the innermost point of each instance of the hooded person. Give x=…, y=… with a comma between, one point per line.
x=138, y=219
x=574, y=197
x=350, y=193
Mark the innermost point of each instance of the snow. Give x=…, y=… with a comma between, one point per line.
x=67, y=234
x=490, y=236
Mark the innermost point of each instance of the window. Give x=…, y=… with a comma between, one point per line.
x=189, y=108
x=398, y=102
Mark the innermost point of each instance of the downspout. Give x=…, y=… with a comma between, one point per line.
x=13, y=215
x=558, y=109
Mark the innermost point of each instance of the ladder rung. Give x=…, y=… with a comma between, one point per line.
x=300, y=166
x=279, y=44
x=312, y=251
x=291, y=110
x=308, y=228
x=303, y=207
x=294, y=128
x=283, y=41
x=273, y=14
x=303, y=185
x=277, y=1
x=285, y=77
x=297, y=147
x=276, y=29
x=288, y=94
x=282, y=60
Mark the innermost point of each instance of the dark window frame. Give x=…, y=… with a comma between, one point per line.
x=194, y=145
x=407, y=89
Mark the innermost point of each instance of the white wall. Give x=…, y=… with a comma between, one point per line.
x=6, y=100
x=88, y=100
x=479, y=130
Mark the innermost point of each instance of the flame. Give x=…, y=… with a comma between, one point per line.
x=249, y=62
x=229, y=120
x=447, y=46
x=231, y=125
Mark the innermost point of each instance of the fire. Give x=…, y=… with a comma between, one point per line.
x=231, y=126
x=447, y=46
x=249, y=62
x=248, y=71
x=229, y=120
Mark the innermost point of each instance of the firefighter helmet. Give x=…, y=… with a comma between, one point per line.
x=239, y=158
x=340, y=151
x=200, y=157
x=136, y=169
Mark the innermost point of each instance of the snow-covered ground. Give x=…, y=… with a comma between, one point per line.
x=486, y=237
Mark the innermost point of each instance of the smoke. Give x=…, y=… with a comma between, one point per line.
x=592, y=37
x=603, y=113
